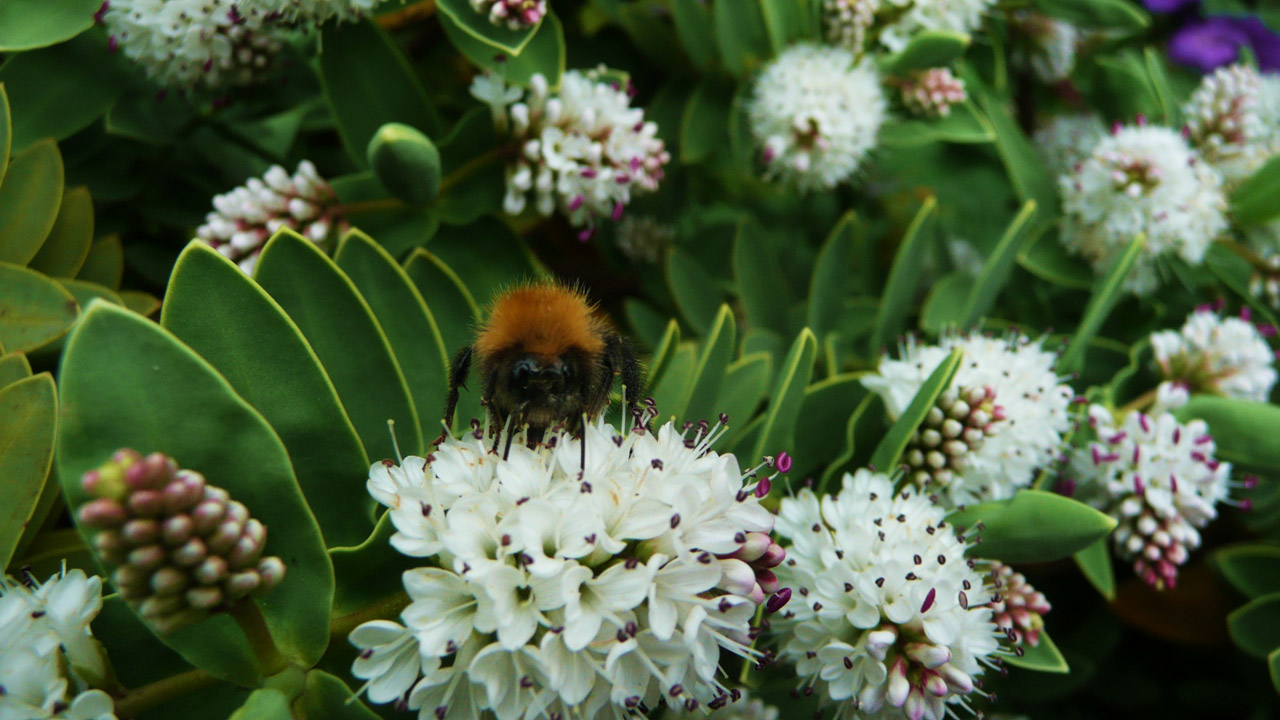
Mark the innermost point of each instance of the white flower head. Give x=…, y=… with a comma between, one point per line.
x=1004, y=417
x=1228, y=123
x=549, y=584
x=1142, y=180
x=815, y=113
x=1225, y=356
x=1067, y=140
x=1159, y=479
x=310, y=12
x=582, y=150
x=48, y=656
x=1051, y=45
x=245, y=218
x=188, y=44
x=891, y=618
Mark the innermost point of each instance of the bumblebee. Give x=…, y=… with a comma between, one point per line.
x=548, y=358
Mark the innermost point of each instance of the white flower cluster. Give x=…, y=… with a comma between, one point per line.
x=1233, y=120
x=1066, y=140
x=893, y=23
x=245, y=218
x=932, y=92
x=1142, y=181
x=1225, y=356
x=514, y=14
x=48, y=656
x=1158, y=478
x=313, y=12
x=194, y=43
x=584, y=149
x=556, y=589
x=1051, y=45
x=892, y=620
x=1024, y=392
x=815, y=114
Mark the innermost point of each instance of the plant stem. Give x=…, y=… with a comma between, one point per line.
x=152, y=694
x=391, y=607
x=1140, y=402
x=469, y=167
x=254, y=626
x=363, y=206
x=1247, y=253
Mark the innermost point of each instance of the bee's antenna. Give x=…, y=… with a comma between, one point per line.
x=391, y=428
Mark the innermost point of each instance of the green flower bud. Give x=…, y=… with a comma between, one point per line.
x=406, y=163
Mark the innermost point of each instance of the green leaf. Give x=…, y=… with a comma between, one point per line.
x=1254, y=570
x=34, y=310
x=866, y=420
x=28, y=425
x=544, y=53
x=487, y=256
x=786, y=398
x=662, y=353
x=328, y=698
x=885, y=457
x=1170, y=113
x=1243, y=431
x=1273, y=665
x=965, y=124
x=671, y=391
x=353, y=53
x=904, y=276
x=786, y=20
x=745, y=383
x=741, y=34
x=29, y=201
x=67, y=246
x=479, y=28
x=1097, y=13
x=824, y=416
x=88, y=79
x=944, y=307
x=760, y=286
x=264, y=704
x=1032, y=526
x=1095, y=563
x=369, y=573
x=250, y=340
x=833, y=275
x=137, y=657
x=1253, y=201
x=6, y=131
x=406, y=162
x=1255, y=626
x=13, y=367
x=105, y=263
x=398, y=227
x=927, y=49
x=456, y=315
x=1044, y=657
x=696, y=293
x=705, y=122
x=473, y=184
x=339, y=325
x=1046, y=258
x=126, y=382
x=1107, y=292
x=409, y=324
x=143, y=303
x=708, y=375
x=694, y=27
x=84, y=292
x=27, y=24
x=996, y=270
x=646, y=323
x=1030, y=176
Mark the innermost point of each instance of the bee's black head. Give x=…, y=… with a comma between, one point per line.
x=534, y=377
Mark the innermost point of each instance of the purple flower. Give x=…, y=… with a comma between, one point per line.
x=1216, y=41
x=1168, y=6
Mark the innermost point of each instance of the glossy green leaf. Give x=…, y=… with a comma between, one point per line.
x=13, y=367
x=696, y=293
x=472, y=186
x=1171, y=114
x=329, y=698
x=264, y=704
x=104, y=264
x=1042, y=657
x=705, y=122
x=1032, y=526
x=398, y=227
x=1255, y=626
x=28, y=426
x=695, y=28
x=409, y=324
x=456, y=314
x=746, y=381
x=351, y=54
x=27, y=24
x=137, y=656
x=143, y=303
x=544, y=52
x=1030, y=176
x=1254, y=570
x=67, y=246
x=88, y=77
x=34, y=310
x=662, y=354
x=487, y=256
x=1046, y=258
x=928, y=49
x=741, y=34
x=824, y=417
x=406, y=162
x=6, y=131
x=647, y=324
x=944, y=306
x=84, y=292
x=1253, y=202
x=999, y=265
x=1106, y=293
x=369, y=573
x=964, y=124
x=890, y=448
x=786, y=398
x=339, y=325
x=126, y=382
x=1097, y=13
x=1244, y=432
x=865, y=422
x=709, y=374
x=29, y=201
x=904, y=277
x=833, y=275
x=273, y=368
x=1095, y=563
x=761, y=289
x=786, y=20
x=499, y=38
x=672, y=389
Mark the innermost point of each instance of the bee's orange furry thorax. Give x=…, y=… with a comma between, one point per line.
x=543, y=319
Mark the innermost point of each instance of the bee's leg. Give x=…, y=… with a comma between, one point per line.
x=458, y=372
x=582, y=442
x=620, y=359
x=501, y=428
x=511, y=433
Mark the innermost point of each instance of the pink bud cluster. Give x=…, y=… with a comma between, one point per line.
x=954, y=428
x=932, y=92
x=1017, y=608
x=514, y=14
x=181, y=548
